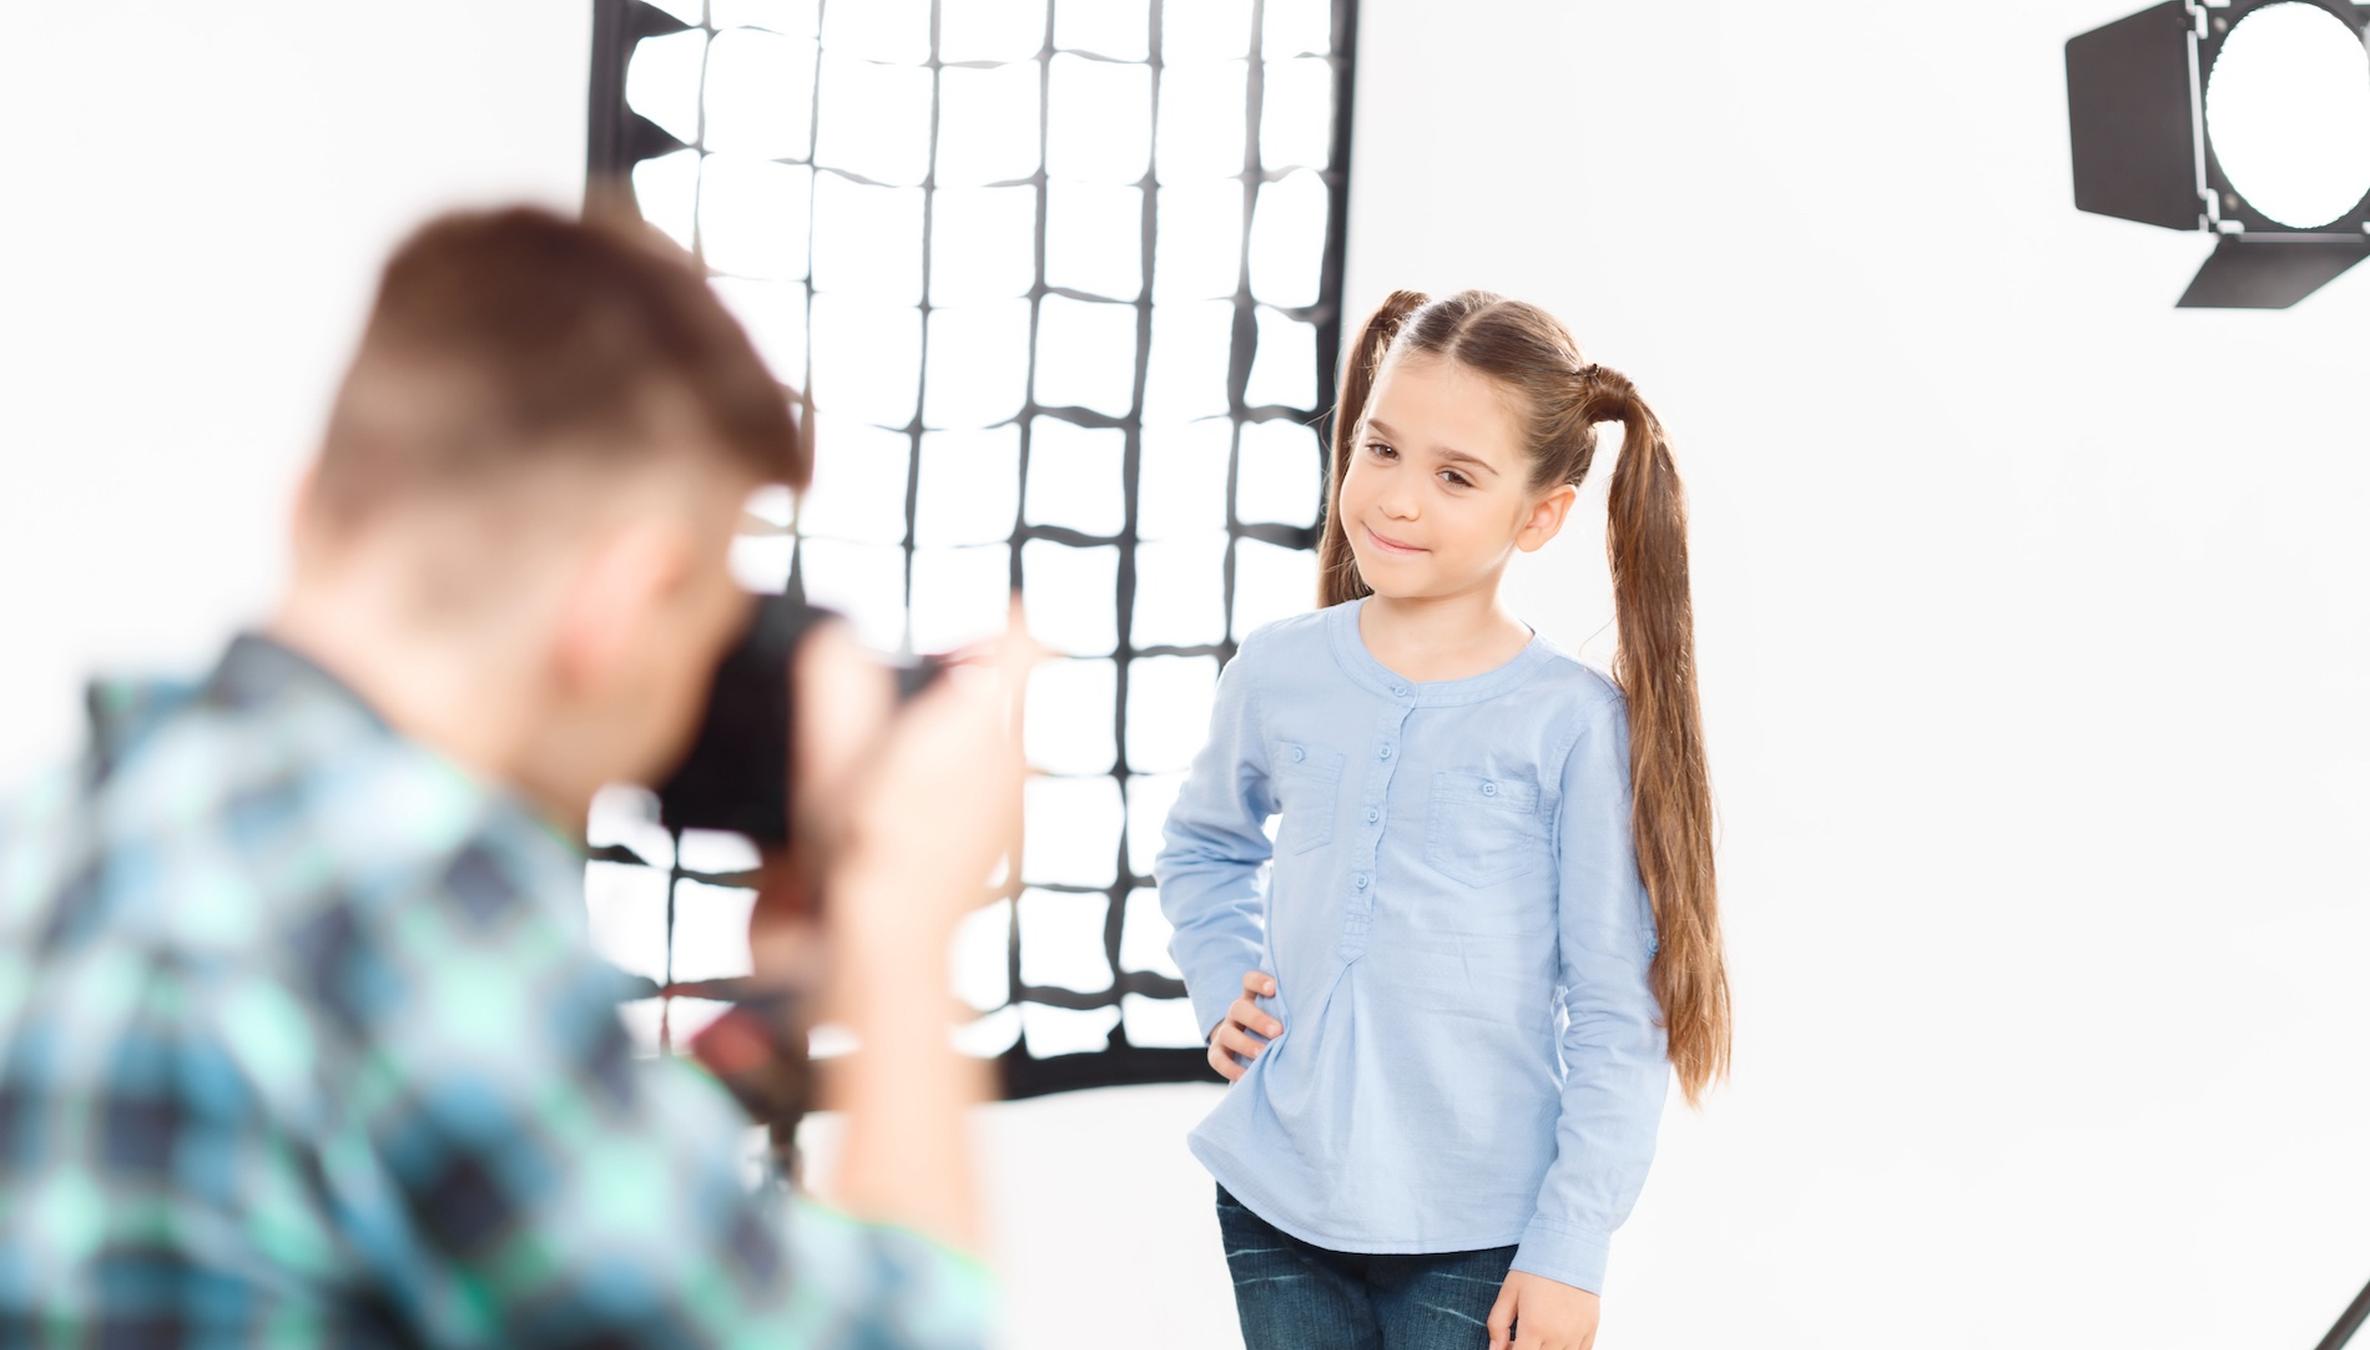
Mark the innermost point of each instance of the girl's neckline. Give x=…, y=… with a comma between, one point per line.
x=1349, y=647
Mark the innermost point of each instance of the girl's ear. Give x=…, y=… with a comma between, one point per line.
x=1545, y=519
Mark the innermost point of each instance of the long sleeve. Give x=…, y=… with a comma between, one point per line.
x=1615, y=1053
x=350, y=1071
x=525, y=1181
x=1214, y=848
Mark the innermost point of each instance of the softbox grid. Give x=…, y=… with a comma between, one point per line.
x=1062, y=284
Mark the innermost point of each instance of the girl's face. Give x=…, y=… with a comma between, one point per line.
x=1437, y=496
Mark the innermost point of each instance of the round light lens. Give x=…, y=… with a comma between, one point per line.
x=2287, y=111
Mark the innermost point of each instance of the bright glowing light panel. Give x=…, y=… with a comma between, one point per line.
x=1062, y=283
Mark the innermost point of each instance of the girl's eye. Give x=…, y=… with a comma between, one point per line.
x=1453, y=477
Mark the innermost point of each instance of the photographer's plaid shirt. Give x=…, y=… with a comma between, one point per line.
x=302, y=1042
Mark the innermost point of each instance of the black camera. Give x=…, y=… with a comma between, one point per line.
x=736, y=776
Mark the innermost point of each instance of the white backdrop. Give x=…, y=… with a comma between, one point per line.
x=2029, y=611
x=197, y=198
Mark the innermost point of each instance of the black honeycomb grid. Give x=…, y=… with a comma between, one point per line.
x=620, y=138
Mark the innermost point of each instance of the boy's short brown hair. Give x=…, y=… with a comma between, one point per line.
x=507, y=338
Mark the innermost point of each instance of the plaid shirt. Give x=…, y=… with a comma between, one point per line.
x=302, y=1042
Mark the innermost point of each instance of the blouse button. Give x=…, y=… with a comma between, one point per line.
x=1489, y=789
x=1372, y=815
x=1361, y=881
x=1298, y=754
x=1386, y=752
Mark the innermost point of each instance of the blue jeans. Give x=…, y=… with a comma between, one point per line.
x=1292, y=1295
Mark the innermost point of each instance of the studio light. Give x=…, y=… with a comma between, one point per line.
x=1063, y=280
x=2248, y=119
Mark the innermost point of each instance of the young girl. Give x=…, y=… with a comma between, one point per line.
x=1449, y=995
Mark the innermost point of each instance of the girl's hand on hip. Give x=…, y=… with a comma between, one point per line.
x=1241, y=1031
x=1547, y=1314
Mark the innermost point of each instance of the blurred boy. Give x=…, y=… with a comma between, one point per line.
x=302, y=1040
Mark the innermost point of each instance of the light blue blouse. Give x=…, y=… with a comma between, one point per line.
x=1452, y=912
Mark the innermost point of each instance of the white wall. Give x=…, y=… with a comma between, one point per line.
x=195, y=202
x=2029, y=654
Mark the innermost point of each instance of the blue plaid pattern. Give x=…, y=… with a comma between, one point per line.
x=303, y=1042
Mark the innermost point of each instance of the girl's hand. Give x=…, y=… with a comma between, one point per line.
x=1243, y=1027
x=1553, y=1316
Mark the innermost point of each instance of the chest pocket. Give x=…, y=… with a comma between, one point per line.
x=1483, y=829
x=1307, y=785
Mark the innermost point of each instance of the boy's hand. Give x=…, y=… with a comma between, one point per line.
x=1553, y=1316
x=932, y=835
x=1244, y=1027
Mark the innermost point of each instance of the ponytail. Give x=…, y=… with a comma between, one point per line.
x=1337, y=568
x=1654, y=662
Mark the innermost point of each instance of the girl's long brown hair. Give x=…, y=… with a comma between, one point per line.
x=1527, y=351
